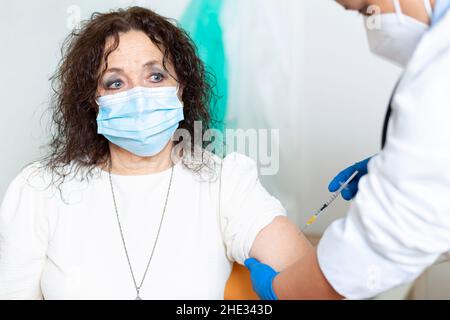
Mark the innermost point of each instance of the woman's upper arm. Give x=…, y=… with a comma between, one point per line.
x=254, y=223
x=23, y=242
x=280, y=244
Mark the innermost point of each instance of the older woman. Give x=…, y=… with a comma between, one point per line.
x=116, y=211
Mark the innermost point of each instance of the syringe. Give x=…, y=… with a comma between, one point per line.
x=314, y=217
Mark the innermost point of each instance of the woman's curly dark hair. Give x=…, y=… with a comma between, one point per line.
x=75, y=140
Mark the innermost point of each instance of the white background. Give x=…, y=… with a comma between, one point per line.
x=329, y=100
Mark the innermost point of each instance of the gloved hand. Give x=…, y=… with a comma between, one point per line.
x=262, y=277
x=352, y=189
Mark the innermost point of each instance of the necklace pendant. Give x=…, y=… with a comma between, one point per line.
x=138, y=297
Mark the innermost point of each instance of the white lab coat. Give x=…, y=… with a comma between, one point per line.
x=399, y=223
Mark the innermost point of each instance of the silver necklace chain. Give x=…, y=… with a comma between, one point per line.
x=138, y=287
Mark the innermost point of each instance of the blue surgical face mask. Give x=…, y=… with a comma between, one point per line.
x=140, y=120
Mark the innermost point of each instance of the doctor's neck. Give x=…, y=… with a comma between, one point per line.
x=128, y=164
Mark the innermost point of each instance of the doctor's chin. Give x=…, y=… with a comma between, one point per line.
x=225, y=155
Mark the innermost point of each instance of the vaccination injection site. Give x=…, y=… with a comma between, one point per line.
x=224, y=156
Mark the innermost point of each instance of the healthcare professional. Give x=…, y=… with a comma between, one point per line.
x=399, y=221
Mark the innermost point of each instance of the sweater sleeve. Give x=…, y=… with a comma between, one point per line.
x=247, y=207
x=23, y=240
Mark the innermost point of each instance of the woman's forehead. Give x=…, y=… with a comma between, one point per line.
x=135, y=47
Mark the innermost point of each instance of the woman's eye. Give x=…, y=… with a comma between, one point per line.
x=115, y=84
x=157, y=77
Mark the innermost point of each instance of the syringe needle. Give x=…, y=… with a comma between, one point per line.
x=334, y=196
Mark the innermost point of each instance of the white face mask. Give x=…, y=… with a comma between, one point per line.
x=397, y=35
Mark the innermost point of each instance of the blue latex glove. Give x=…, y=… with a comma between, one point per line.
x=262, y=277
x=352, y=189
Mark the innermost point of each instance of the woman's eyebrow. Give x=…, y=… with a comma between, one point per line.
x=112, y=70
x=151, y=63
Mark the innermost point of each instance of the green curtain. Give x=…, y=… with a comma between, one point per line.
x=202, y=22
